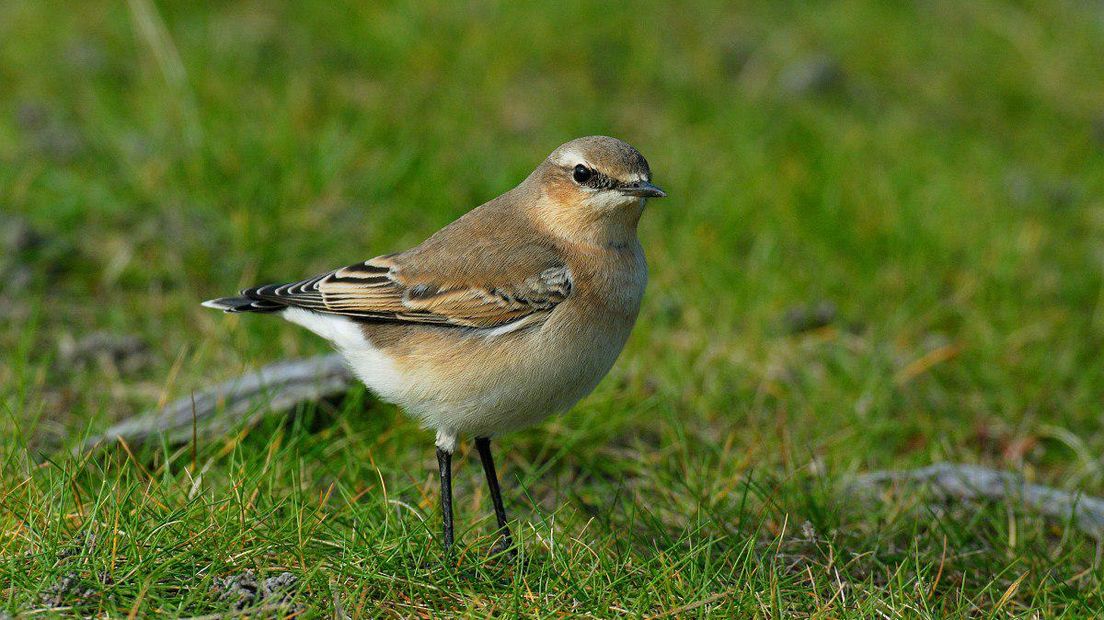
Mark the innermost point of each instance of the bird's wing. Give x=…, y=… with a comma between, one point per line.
x=403, y=288
x=489, y=268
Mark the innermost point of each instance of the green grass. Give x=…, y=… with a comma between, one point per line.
x=941, y=186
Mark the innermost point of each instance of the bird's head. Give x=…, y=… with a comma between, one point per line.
x=594, y=189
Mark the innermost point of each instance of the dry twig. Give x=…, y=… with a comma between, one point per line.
x=276, y=388
x=974, y=482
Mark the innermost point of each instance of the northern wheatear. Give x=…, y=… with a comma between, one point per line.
x=513, y=312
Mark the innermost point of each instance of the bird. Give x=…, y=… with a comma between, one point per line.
x=511, y=313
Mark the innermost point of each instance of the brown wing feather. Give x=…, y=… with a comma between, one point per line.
x=377, y=289
x=483, y=270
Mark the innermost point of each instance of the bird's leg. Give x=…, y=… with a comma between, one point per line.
x=506, y=543
x=444, y=462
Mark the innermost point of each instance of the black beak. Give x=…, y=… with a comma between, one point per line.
x=642, y=189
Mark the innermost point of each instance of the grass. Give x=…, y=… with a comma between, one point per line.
x=933, y=171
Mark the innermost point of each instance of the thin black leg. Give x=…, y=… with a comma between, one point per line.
x=483, y=445
x=444, y=462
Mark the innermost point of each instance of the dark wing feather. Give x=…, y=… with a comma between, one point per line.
x=378, y=289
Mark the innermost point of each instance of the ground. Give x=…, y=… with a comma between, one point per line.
x=882, y=249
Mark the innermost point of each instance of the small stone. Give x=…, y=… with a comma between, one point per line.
x=18, y=236
x=1019, y=187
x=244, y=590
x=240, y=589
x=277, y=589
x=808, y=531
x=1025, y=190
x=116, y=352
x=49, y=135
x=800, y=319
x=60, y=143
x=734, y=56
x=86, y=544
x=813, y=75
x=1062, y=193
x=65, y=591
x=30, y=115
x=87, y=56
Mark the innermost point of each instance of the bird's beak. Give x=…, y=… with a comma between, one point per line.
x=642, y=189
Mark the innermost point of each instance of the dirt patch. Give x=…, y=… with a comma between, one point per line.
x=72, y=589
x=246, y=590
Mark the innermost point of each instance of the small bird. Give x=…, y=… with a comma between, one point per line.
x=512, y=312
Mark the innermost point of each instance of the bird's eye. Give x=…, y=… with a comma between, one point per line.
x=581, y=173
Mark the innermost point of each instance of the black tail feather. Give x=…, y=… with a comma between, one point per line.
x=243, y=304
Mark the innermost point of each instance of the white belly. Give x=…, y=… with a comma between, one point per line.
x=479, y=384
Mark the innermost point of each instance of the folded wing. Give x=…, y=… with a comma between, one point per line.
x=381, y=289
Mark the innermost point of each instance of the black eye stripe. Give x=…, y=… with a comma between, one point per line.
x=601, y=181
x=592, y=178
x=596, y=179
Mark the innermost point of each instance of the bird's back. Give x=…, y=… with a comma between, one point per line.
x=494, y=244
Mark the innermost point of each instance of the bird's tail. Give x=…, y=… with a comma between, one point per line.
x=243, y=303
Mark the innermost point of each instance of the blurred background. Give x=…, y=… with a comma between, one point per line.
x=883, y=246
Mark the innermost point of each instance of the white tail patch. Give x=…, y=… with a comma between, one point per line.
x=339, y=330
x=374, y=367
